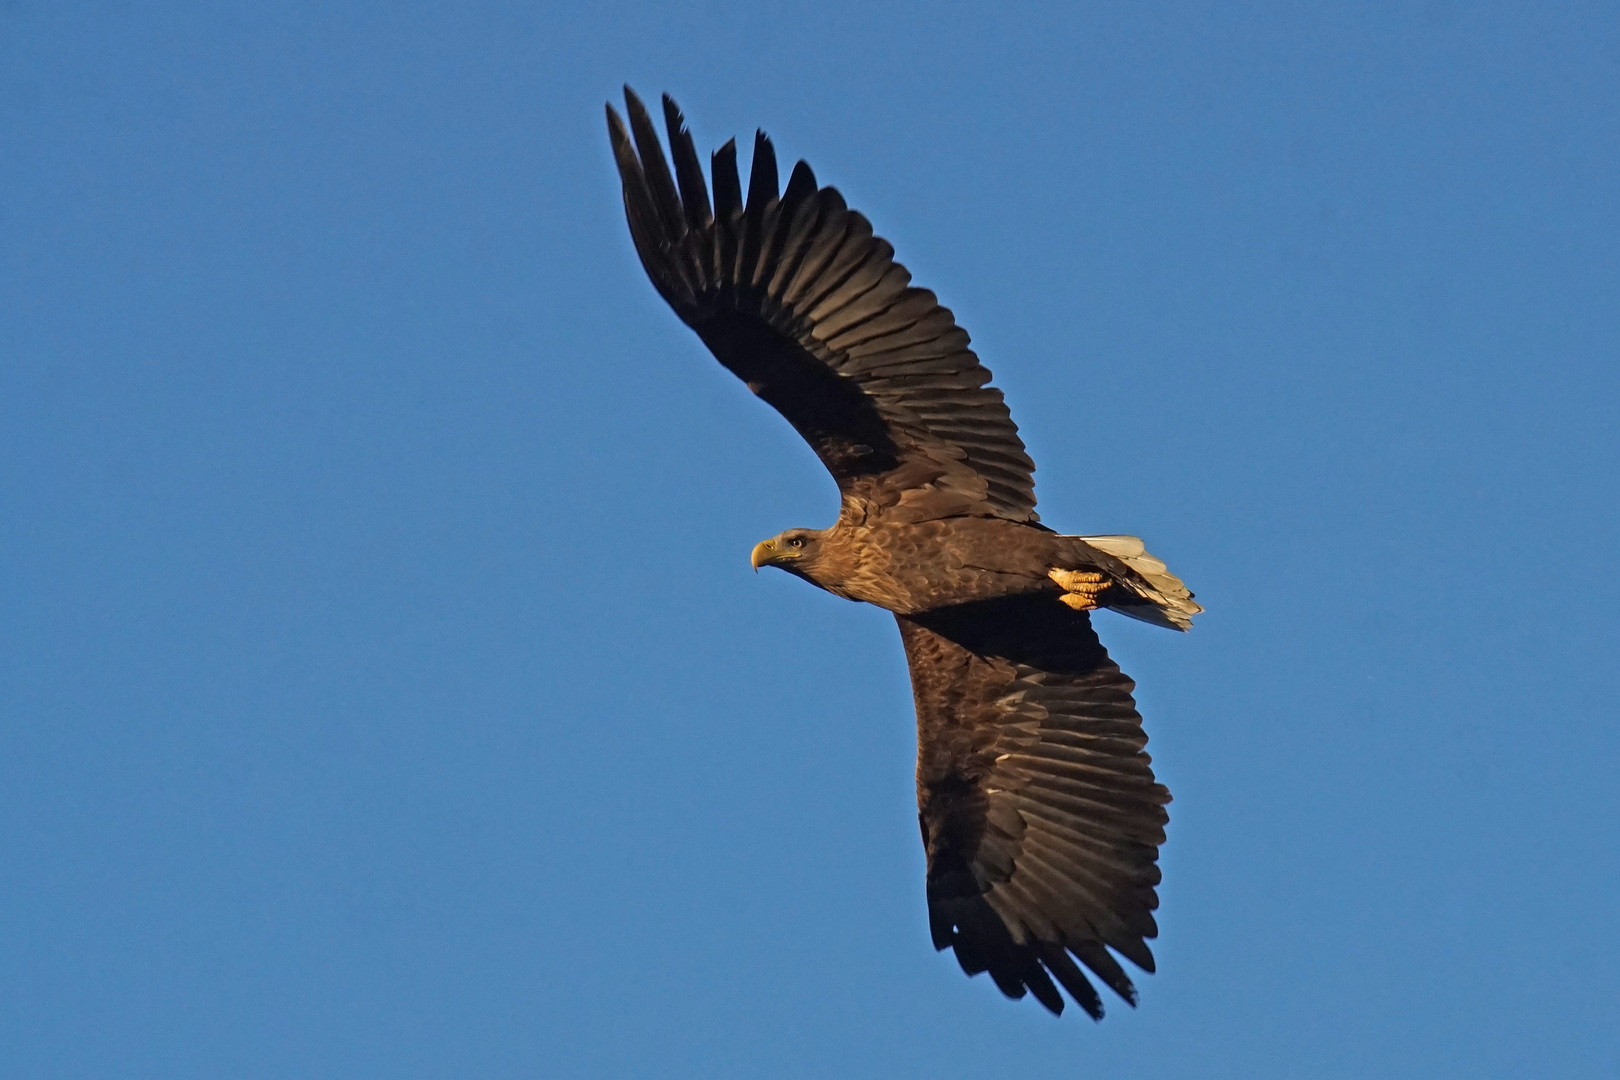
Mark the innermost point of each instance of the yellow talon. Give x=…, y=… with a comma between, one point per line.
x=1079, y=580
x=1080, y=587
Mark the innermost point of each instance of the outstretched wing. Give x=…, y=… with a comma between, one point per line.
x=1039, y=811
x=794, y=294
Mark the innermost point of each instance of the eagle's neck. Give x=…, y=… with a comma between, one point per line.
x=854, y=561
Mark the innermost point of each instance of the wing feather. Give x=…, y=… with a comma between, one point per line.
x=654, y=171
x=728, y=208
x=794, y=293
x=688, y=172
x=1040, y=815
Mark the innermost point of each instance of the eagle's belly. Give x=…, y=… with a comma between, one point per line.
x=910, y=568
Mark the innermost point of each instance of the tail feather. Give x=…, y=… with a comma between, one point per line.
x=1163, y=599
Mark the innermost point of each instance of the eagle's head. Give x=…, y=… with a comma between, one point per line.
x=794, y=551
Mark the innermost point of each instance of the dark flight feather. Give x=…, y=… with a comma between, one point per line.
x=654, y=170
x=688, y=172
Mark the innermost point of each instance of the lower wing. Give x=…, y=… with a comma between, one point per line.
x=1038, y=807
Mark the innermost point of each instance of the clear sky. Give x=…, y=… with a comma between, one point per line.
x=384, y=691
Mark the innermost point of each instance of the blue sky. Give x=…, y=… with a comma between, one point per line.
x=383, y=687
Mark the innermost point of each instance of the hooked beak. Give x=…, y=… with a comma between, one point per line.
x=764, y=551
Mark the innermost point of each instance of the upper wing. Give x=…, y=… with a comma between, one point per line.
x=1038, y=808
x=795, y=295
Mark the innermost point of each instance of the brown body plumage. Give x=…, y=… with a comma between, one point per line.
x=1038, y=810
x=909, y=567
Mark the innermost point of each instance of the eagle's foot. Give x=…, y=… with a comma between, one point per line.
x=1080, y=587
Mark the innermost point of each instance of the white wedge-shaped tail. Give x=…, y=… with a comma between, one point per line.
x=1165, y=600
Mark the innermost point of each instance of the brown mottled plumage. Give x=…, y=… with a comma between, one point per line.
x=1039, y=812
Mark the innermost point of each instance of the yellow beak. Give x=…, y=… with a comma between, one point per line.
x=764, y=551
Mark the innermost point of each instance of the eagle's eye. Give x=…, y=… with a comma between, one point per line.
x=797, y=541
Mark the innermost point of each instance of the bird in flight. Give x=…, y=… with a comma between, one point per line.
x=1040, y=815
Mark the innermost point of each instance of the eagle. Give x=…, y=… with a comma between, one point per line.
x=1040, y=816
